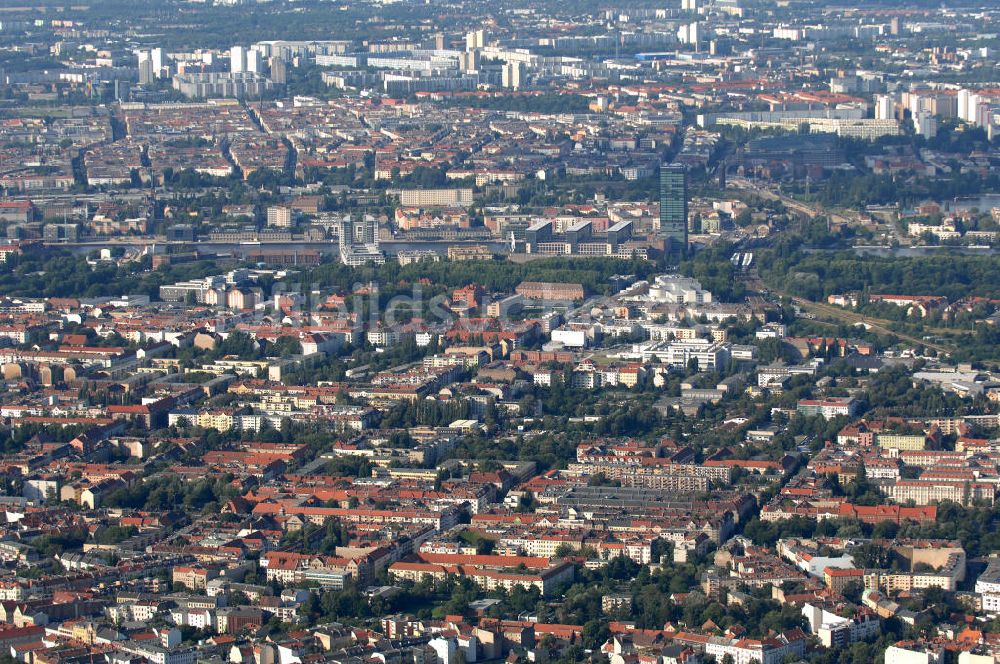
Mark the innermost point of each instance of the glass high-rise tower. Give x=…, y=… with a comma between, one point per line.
x=674, y=206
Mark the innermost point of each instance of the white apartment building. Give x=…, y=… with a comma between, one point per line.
x=988, y=585
x=709, y=354
x=837, y=631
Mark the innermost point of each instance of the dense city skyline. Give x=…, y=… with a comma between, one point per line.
x=338, y=332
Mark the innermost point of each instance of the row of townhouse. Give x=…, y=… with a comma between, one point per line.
x=439, y=520
x=771, y=650
x=488, y=572
x=547, y=545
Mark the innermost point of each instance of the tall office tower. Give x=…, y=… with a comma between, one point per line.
x=345, y=233
x=973, y=111
x=159, y=60
x=469, y=62
x=475, y=39
x=720, y=47
x=369, y=231
x=925, y=124
x=945, y=106
x=237, y=59
x=361, y=231
x=146, y=73
x=279, y=71
x=690, y=34
x=254, y=61
x=512, y=75
x=674, y=206
x=969, y=106
x=963, y=103
x=885, y=108
x=982, y=114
